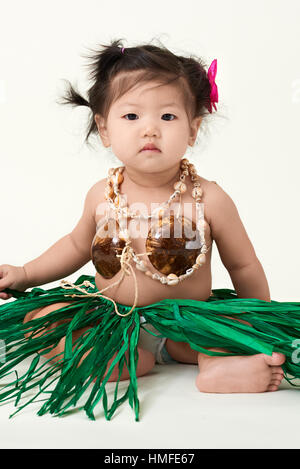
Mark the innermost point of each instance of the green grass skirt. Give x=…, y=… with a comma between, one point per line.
x=275, y=327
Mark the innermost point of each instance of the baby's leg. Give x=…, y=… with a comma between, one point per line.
x=182, y=352
x=146, y=359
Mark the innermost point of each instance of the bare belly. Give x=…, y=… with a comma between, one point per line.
x=196, y=287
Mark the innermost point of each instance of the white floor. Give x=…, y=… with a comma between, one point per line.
x=174, y=414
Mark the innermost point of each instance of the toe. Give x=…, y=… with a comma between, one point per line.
x=277, y=376
x=272, y=387
x=277, y=370
x=275, y=360
x=275, y=381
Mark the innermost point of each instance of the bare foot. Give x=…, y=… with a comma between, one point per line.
x=254, y=373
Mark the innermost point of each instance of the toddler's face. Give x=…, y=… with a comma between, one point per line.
x=149, y=115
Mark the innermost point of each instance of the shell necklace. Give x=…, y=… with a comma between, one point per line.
x=104, y=252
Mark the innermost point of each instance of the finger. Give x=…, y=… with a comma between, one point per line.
x=2, y=288
x=4, y=296
x=8, y=295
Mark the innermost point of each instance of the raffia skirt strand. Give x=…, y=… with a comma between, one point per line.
x=275, y=327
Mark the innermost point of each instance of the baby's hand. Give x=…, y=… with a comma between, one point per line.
x=12, y=277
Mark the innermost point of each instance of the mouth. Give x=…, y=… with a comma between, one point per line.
x=150, y=148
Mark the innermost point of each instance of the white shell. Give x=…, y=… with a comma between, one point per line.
x=204, y=249
x=180, y=186
x=189, y=272
x=124, y=234
x=200, y=259
x=173, y=281
x=111, y=171
x=141, y=266
x=156, y=276
x=197, y=192
x=117, y=178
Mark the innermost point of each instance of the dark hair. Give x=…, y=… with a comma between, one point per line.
x=153, y=64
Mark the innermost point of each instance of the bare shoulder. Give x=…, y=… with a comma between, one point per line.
x=212, y=190
x=219, y=208
x=221, y=211
x=95, y=195
x=215, y=198
x=97, y=190
x=98, y=187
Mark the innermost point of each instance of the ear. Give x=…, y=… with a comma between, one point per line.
x=102, y=129
x=196, y=122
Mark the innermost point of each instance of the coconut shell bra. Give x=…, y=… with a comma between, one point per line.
x=175, y=245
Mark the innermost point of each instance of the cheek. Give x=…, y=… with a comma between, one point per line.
x=119, y=134
x=121, y=141
x=179, y=133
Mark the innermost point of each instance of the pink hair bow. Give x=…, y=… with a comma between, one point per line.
x=211, y=75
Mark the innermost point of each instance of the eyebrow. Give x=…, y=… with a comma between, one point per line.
x=137, y=105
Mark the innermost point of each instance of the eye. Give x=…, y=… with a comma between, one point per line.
x=169, y=115
x=130, y=114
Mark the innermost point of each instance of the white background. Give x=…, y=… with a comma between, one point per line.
x=251, y=146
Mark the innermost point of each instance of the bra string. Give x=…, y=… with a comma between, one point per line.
x=125, y=261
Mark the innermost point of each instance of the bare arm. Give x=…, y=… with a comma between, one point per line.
x=235, y=248
x=250, y=282
x=69, y=253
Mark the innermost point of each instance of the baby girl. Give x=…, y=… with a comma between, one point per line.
x=147, y=104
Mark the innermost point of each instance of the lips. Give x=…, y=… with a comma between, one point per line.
x=150, y=146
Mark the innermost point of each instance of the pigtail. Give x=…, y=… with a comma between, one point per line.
x=102, y=62
x=73, y=97
x=101, y=67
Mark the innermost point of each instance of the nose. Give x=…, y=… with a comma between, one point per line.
x=151, y=129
